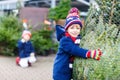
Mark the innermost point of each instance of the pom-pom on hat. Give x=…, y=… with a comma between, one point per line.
x=26, y=32
x=73, y=18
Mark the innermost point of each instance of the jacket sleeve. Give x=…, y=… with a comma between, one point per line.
x=69, y=47
x=20, y=46
x=32, y=48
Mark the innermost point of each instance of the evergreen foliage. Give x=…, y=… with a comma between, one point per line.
x=60, y=11
x=110, y=10
x=10, y=30
x=103, y=34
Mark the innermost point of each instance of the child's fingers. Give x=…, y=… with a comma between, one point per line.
x=99, y=52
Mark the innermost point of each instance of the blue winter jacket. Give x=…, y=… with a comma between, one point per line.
x=25, y=49
x=67, y=47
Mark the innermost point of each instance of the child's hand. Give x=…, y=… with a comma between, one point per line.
x=94, y=54
x=23, y=40
x=32, y=58
x=32, y=55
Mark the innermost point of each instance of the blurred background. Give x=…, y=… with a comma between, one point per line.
x=101, y=29
x=41, y=16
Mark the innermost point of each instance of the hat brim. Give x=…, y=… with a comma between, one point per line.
x=73, y=22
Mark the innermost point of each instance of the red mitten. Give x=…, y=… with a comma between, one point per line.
x=17, y=60
x=94, y=54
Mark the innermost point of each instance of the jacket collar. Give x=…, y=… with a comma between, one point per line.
x=68, y=35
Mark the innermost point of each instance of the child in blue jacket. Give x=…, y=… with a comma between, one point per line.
x=26, y=50
x=69, y=38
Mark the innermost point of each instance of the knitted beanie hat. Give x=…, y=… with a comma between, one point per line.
x=26, y=32
x=73, y=18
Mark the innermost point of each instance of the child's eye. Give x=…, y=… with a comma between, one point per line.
x=75, y=26
x=72, y=27
x=78, y=27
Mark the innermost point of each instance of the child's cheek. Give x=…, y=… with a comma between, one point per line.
x=26, y=38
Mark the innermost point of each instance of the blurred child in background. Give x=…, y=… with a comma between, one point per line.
x=26, y=50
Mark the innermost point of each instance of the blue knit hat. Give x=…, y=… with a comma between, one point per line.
x=73, y=18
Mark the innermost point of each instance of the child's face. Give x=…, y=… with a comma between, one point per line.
x=26, y=37
x=74, y=30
